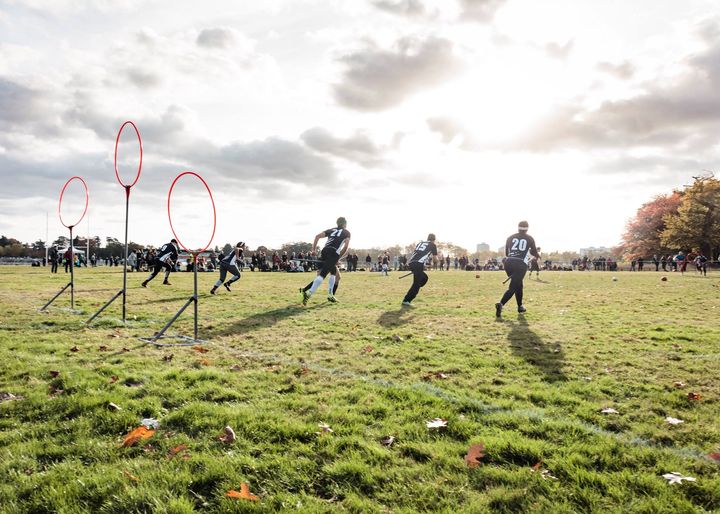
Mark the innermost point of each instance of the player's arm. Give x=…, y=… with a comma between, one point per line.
x=318, y=238
x=344, y=247
x=532, y=248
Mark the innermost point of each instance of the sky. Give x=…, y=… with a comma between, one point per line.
x=458, y=117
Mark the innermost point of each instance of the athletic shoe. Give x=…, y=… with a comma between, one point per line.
x=166, y=283
x=407, y=304
x=227, y=285
x=498, y=309
x=212, y=291
x=305, y=296
x=522, y=309
x=332, y=299
x=144, y=284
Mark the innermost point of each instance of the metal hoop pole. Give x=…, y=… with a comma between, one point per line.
x=124, y=289
x=72, y=276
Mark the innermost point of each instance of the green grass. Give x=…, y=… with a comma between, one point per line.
x=530, y=390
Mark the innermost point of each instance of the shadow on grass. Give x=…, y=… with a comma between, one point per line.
x=396, y=318
x=264, y=319
x=525, y=343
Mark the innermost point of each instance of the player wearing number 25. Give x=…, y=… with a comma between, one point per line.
x=518, y=249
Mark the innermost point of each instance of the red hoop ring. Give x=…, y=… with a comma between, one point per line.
x=213, y=206
x=117, y=142
x=87, y=198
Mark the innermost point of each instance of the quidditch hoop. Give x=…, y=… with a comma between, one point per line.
x=213, y=206
x=62, y=193
x=117, y=142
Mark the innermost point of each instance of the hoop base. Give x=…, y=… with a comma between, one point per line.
x=189, y=341
x=117, y=295
x=44, y=307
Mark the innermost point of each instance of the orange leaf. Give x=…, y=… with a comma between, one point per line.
x=140, y=433
x=130, y=476
x=200, y=349
x=179, y=448
x=715, y=457
x=113, y=379
x=204, y=362
x=244, y=493
x=537, y=466
x=693, y=396
x=474, y=454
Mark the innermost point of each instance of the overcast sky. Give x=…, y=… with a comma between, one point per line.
x=459, y=117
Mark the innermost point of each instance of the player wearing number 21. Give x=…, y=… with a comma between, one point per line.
x=338, y=242
x=518, y=250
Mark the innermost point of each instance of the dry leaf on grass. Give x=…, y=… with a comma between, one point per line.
x=324, y=428
x=244, y=493
x=714, y=456
x=204, y=362
x=200, y=349
x=103, y=348
x=125, y=349
x=474, y=454
x=236, y=367
x=679, y=384
x=367, y=349
x=673, y=421
x=139, y=434
x=114, y=407
x=54, y=374
x=74, y=349
x=168, y=358
x=130, y=476
x=387, y=441
x=8, y=397
x=113, y=379
x=436, y=423
x=228, y=437
x=179, y=448
x=609, y=410
x=676, y=478
x=693, y=396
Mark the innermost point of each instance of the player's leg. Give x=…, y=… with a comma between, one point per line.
x=337, y=281
x=236, y=276
x=223, y=274
x=168, y=269
x=153, y=273
x=420, y=278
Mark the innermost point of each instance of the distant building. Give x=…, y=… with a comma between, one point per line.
x=483, y=247
x=592, y=251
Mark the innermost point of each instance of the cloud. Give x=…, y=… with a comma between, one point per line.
x=405, y=8
x=624, y=70
x=19, y=104
x=376, y=79
x=480, y=11
x=453, y=132
x=358, y=148
x=216, y=38
x=558, y=51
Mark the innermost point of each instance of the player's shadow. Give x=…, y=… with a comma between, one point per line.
x=263, y=320
x=547, y=358
x=396, y=318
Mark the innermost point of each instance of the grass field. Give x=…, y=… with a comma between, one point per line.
x=530, y=389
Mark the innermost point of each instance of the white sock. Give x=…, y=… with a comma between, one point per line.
x=316, y=283
x=331, y=285
x=218, y=284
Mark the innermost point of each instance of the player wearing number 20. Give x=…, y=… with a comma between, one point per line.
x=338, y=242
x=518, y=249
x=416, y=263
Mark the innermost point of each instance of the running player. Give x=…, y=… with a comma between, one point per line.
x=385, y=264
x=166, y=258
x=229, y=264
x=416, y=264
x=535, y=266
x=518, y=249
x=338, y=242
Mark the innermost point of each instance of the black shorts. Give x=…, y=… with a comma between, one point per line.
x=329, y=258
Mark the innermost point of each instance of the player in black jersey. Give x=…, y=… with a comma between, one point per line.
x=229, y=264
x=166, y=258
x=338, y=242
x=535, y=266
x=518, y=249
x=416, y=264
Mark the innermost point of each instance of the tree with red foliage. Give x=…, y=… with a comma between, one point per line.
x=642, y=237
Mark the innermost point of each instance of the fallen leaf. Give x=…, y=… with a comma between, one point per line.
x=113, y=379
x=545, y=473
x=114, y=335
x=236, y=367
x=302, y=370
x=74, y=349
x=103, y=348
x=150, y=422
x=244, y=493
x=228, y=437
x=436, y=423
x=137, y=435
x=130, y=476
x=55, y=391
x=204, y=362
x=324, y=428
x=125, y=349
x=474, y=454
x=200, y=349
x=397, y=338
x=674, y=421
x=387, y=441
x=179, y=448
x=537, y=466
x=367, y=349
x=693, y=396
x=714, y=456
x=54, y=374
x=679, y=384
x=114, y=407
x=168, y=358
x=8, y=397
x=676, y=478
x=609, y=410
